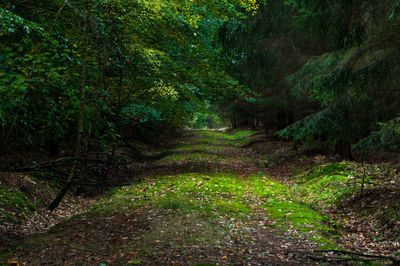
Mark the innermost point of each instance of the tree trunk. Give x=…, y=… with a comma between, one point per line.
x=343, y=148
x=78, y=142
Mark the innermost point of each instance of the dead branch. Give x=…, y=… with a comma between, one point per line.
x=46, y=164
x=395, y=261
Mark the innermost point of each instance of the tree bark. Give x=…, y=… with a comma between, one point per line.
x=78, y=142
x=343, y=148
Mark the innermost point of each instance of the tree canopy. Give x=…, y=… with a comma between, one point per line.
x=150, y=64
x=319, y=71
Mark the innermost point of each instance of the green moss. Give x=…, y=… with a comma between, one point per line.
x=204, y=147
x=242, y=134
x=239, y=142
x=328, y=170
x=200, y=157
x=238, y=135
x=211, y=134
x=208, y=141
x=218, y=195
x=326, y=185
x=15, y=204
x=325, y=191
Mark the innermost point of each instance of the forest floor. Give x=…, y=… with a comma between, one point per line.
x=226, y=199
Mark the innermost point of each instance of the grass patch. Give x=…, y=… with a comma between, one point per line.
x=204, y=147
x=337, y=168
x=15, y=205
x=198, y=157
x=340, y=183
x=325, y=185
x=238, y=135
x=241, y=134
x=221, y=195
x=324, y=191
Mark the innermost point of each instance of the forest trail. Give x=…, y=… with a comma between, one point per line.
x=211, y=203
x=90, y=90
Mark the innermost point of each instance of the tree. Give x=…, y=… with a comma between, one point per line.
x=348, y=82
x=318, y=68
x=104, y=66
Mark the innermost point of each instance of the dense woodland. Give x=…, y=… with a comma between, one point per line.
x=321, y=72
x=96, y=95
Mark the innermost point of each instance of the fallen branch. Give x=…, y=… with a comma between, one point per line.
x=46, y=163
x=50, y=164
x=395, y=261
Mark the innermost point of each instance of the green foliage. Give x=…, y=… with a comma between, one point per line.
x=205, y=120
x=318, y=68
x=33, y=87
x=156, y=65
x=395, y=10
x=386, y=138
x=348, y=81
x=325, y=126
x=150, y=64
x=264, y=51
x=334, y=21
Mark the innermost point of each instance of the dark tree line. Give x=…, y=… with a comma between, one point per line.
x=325, y=72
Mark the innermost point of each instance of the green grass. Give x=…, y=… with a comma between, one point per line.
x=238, y=138
x=326, y=185
x=241, y=134
x=204, y=157
x=206, y=210
x=238, y=135
x=329, y=169
x=325, y=191
x=221, y=195
x=15, y=204
x=204, y=147
x=194, y=157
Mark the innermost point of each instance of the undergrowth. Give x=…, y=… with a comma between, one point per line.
x=330, y=184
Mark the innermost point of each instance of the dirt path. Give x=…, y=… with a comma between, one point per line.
x=209, y=202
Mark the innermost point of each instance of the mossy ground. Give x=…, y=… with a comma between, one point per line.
x=238, y=135
x=222, y=195
x=15, y=205
x=20, y=196
x=216, y=216
x=325, y=185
